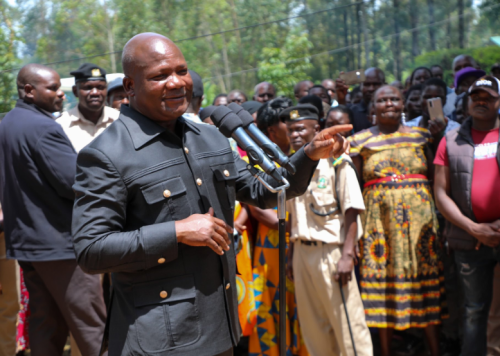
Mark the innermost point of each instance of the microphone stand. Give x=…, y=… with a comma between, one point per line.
x=281, y=190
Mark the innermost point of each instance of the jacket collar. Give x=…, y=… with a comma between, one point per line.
x=142, y=129
x=32, y=107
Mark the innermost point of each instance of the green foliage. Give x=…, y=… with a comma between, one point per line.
x=8, y=88
x=281, y=67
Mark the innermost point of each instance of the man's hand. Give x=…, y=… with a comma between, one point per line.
x=204, y=230
x=437, y=127
x=344, y=269
x=341, y=88
x=487, y=234
x=328, y=143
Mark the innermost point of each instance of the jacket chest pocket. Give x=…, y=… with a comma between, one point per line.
x=166, y=314
x=322, y=200
x=170, y=197
x=225, y=175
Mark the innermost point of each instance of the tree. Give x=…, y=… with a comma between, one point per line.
x=8, y=59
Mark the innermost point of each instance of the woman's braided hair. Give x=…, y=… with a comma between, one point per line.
x=269, y=113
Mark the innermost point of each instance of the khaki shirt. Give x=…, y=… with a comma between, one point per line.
x=321, y=196
x=81, y=131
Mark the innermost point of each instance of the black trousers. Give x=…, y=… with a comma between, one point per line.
x=62, y=298
x=226, y=353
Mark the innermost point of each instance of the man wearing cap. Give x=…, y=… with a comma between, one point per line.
x=465, y=77
x=192, y=112
x=116, y=94
x=90, y=117
x=325, y=230
x=467, y=191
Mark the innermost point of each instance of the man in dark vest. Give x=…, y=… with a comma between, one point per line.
x=467, y=191
x=155, y=195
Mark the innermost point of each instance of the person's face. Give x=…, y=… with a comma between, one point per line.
x=117, y=97
x=420, y=76
x=483, y=106
x=236, y=97
x=46, y=92
x=265, y=92
x=336, y=118
x=496, y=73
x=330, y=87
x=465, y=84
x=388, y=106
x=460, y=115
x=437, y=72
x=413, y=104
x=431, y=91
x=303, y=89
x=278, y=134
x=461, y=63
x=221, y=101
x=357, y=97
x=161, y=87
x=322, y=94
x=372, y=83
x=301, y=132
x=91, y=94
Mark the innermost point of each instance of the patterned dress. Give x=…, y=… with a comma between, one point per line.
x=402, y=283
x=264, y=340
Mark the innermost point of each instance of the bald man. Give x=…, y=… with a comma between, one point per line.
x=301, y=89
x=263, y=92
x=37, y=171
x=154, y=205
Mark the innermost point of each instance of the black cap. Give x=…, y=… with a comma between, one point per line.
x=197, y=84
x=489, y=84
x=89, y=71
x=300, y=112
x=251, y=106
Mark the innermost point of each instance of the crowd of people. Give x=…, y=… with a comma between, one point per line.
x=393, y=246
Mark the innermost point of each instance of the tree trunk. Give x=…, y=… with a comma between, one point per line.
x=358, y=37
x=346, y=42
x=415, y=50
x=374, y=33
x=238, y=40
x=432, y=37
x=365, y=35
x=111, y=38
x=397, y=49
x=461, y=27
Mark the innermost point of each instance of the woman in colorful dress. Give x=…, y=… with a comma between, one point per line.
x=264, y=340
x=402, y=280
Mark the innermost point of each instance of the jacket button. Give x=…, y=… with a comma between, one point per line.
x=166, y=193
x=186, y=150
x=161, y=260
x=228, y=285
x=163, y=294
x=226, y=173
x=199, y=182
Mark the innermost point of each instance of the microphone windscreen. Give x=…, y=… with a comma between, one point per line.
x=225, y=120
x=245, y=117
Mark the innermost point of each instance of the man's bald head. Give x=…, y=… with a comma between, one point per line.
x=31, y=74
x=41, y=87
x=263, y=92
x=302, y=88
x=374, y=79
x=156, y=80
x=463, y=61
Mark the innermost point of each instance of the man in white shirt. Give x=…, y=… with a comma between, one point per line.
x=90, y=117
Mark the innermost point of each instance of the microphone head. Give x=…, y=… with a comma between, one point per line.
x=245, y=117
x=225, y=120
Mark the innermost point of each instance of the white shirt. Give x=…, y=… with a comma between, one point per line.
x=416, y=122
x=81, y=131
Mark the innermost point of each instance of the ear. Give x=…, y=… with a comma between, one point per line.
x=128, y=85
x=75, y=91
x=29, y=91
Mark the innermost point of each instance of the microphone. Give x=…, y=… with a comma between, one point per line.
x=230, y=125
x=268, y=146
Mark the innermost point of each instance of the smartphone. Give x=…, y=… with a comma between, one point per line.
x=353, y=77
x=435, y=107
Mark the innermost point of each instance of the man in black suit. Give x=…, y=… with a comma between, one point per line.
x=37, y=171
x=154, y=204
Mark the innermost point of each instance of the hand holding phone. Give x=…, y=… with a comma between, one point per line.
x=353, y=77
x=435, y=107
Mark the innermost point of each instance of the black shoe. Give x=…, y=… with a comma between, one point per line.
x=449, y=347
